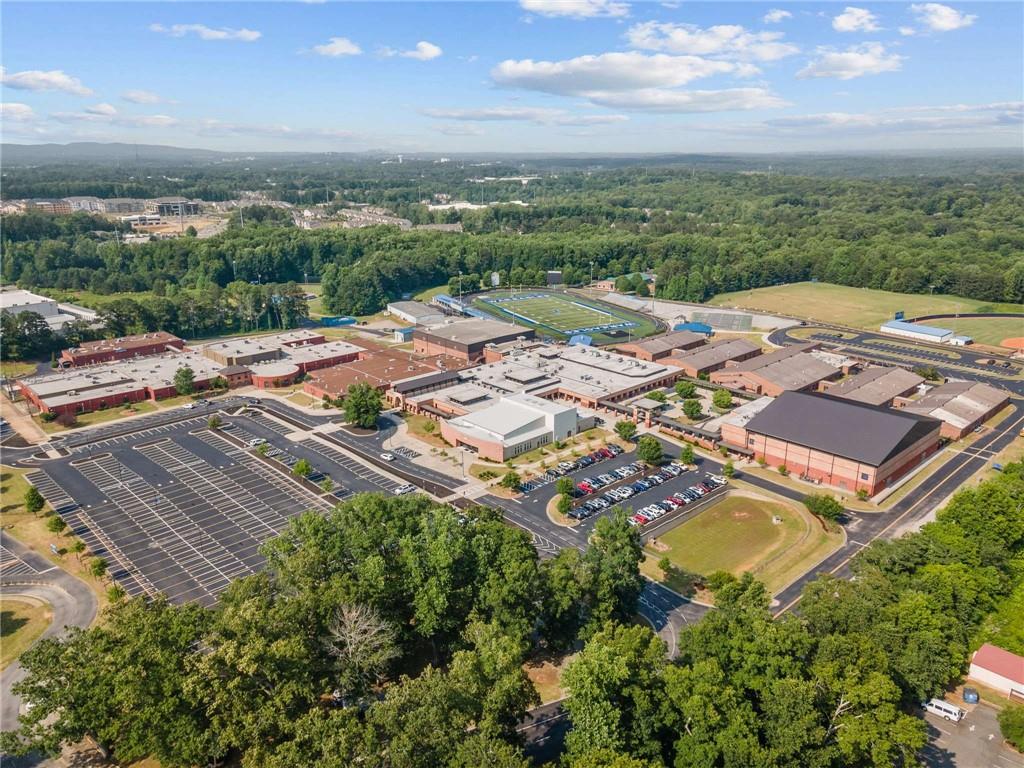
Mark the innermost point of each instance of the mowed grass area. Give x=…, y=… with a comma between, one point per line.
x=737, y=535
x=855, y=307
x=991, y=331
x=21, y=622
x=562, y=315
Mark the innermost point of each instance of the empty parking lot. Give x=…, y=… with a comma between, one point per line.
x=180, y=509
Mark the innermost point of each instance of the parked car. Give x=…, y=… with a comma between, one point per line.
x=256, y=442
x=944, y=710
x=404, y=489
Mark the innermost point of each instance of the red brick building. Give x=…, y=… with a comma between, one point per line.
x=108, y=350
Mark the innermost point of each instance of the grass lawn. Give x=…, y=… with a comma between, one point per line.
x=31, y=531
x=986, y=330
x=301, y=398
x=737, y=534
x=562, y=315
x=21, y=622
x=13, y=369
x=98, y=417
x=546, y=677
x=855, y=307
x=429, y=293
x=431, y=435
x=316, y=307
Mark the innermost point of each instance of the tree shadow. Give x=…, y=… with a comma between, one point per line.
x=10, y=623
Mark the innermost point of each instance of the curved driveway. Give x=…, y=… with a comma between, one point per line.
x=73, y=603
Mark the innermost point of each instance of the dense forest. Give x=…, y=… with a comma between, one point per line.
x=702, y=232
x=391, y=634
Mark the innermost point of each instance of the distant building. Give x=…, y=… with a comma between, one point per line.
x=141, y=219
x=123, y=205
x=841, y=443
x=790, y=369
x=661, y=347
x=14, y=301
x=52, y=207
x=962, y=406
x=89, y=204
x=466, y=339
x=999, y=669
x=173, y=206
x=916, y=331
x=516, y=424
x=416, y=312
x=379, y=368
x=108, y=350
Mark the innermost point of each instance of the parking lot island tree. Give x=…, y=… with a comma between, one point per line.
x=649, y=450
x=512, y=481
x=362, y=405
x=34, y=500
x=302, y=468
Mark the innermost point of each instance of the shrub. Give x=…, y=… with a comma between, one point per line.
x=783, y=470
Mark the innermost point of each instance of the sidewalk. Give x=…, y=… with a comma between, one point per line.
x=21, y=422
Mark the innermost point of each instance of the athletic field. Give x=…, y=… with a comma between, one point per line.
x=563, y=316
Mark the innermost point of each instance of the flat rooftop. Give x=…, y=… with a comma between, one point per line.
x=475, y=331
x=876, y=386
x=857, y=431
x=715, y=353
x=789, y=368
x=960, y=403
x=136, y=341
x=666, y=343
x=380, y=369
x=927, y=330
x=414, y=308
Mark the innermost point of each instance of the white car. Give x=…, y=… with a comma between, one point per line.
x=188, y=406
x=256, y=442
x=388, y=456
x=404, y=489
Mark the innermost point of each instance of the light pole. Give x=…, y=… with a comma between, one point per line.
x=591, y=275
x=460, y=286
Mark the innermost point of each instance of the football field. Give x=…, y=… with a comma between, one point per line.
x=563, y=315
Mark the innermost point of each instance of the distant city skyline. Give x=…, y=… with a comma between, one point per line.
x=528, y=76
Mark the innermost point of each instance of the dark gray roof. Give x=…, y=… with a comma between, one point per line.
x=234, y=370
x=716, y=352
x=669, y=341
x=426, y=380
x=865, y=433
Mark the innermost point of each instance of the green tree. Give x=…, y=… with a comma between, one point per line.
x=824, y=506
x=363, y=404
x=512, y=481
x=722, y=399
x=564, y=504
x=327, y=485
x=184, y=381
x=34, y=501
x=612, y=563
x=115, y=593
x=728, y=470
x=686, y=389
x=214, y=422
x=77, y=547
x=55, y=523
x=692, y=409
x=657, y=395
x=1011, y=723
x=649, y=450
x=98, y=567
x=686, y=454
x=625, y=429
x=565, y=486
x=302, y=468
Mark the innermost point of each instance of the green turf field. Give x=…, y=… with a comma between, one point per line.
x=855, y=307
x=563, y=315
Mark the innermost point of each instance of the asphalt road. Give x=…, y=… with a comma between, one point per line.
x=974, y=742
x=74, y=605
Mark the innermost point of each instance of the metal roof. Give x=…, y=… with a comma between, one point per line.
x=864, y=433
x=927, y=330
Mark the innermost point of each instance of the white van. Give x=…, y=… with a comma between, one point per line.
x=945, y=710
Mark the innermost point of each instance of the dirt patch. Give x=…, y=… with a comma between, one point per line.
x=657, y=546
x=359, y=431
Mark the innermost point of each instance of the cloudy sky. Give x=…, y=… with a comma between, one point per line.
x=532, y=75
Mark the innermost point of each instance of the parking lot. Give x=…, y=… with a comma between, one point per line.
x=179, y=509
x=974, y=742
x=538, y=495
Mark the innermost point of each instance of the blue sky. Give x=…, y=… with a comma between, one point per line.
x=533, y=75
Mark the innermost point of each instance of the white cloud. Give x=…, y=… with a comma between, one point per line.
x=856, y=61
x=460, y=130
x=16, y=112
x=107, y=114
x=576, y=9
x=968, y=119
x=204, y=32
x=141, y=97
x=941, y=18
x=338, y=46
x=39, y=80
x=423, y=51
x=776, y=15
x=536, y=115
x=211, y=127
x=105, y=110
x=605, y=72
x=682, y=102
x=907, y=31
x=721, y=40
x=855, y=20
